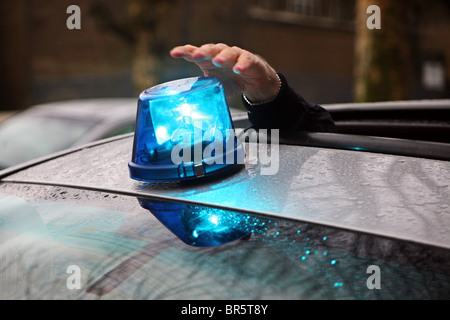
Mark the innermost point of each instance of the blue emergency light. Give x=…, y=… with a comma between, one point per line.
x=184, y=131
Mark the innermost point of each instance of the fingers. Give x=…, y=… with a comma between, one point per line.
x=227, y=58
x=244, y=62
x=239, y=60
x=193, y=53
x=248, y=72
x=184, y=52
x=221, y=55
x=208, y=51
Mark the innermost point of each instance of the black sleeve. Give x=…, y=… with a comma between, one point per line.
x=289, y=111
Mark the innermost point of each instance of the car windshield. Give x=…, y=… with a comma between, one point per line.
x=26, y=137
x=63, y=243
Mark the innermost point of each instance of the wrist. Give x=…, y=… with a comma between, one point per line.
x=266, y=94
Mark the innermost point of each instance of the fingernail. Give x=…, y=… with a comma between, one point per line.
x=218, y=65
x=236, y=71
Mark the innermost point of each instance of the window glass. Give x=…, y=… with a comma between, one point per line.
x=126, y=128
x=23, y=138
x=51, y=235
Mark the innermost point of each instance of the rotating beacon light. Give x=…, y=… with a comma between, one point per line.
x=184, y=131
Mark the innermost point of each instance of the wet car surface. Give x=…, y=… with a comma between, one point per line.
x=123, y=252
x=315, y=228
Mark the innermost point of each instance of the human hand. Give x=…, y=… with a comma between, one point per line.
x=247, y=72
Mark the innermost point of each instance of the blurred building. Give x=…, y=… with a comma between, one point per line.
x=42, y=60
x=310, y=41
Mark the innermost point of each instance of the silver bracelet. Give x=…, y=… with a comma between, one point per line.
x=267, y=101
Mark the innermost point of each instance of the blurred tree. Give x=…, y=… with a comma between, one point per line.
x=385, y=63
x=16, y=40
x=142, y=30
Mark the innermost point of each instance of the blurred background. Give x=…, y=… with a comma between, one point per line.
x=323, y=47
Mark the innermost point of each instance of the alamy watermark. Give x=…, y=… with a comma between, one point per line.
x=74, y=280
x=374, y=280
x=216, y=148
x=374, y=20
x=73, y=22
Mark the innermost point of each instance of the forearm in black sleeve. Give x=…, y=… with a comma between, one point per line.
x=289, y=111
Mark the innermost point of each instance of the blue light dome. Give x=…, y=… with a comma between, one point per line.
x=184, y=131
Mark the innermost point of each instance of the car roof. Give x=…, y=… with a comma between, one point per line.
x=394, y=196
x=407, y=105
